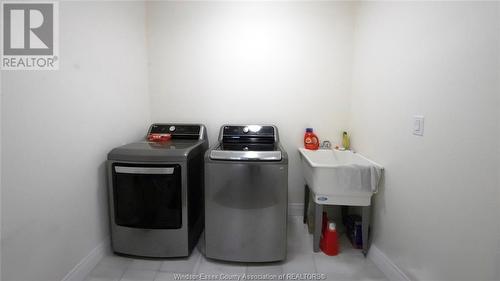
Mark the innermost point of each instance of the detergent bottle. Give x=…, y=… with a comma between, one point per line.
x=329, y=242
x=311, y=141
x=346, y=142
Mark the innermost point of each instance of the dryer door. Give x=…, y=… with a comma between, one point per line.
x=147, y=196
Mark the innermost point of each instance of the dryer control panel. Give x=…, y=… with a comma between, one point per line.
x=165, y=132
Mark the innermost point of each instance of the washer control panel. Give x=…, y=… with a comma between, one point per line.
x=248, y=133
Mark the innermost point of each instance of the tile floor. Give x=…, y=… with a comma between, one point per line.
x=348, y=265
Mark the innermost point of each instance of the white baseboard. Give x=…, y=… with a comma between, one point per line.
x=295, y=209
x=389, y=268
x=85, y=266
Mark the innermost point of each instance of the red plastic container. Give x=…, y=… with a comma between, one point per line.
x=329, y=242
x=311, y=141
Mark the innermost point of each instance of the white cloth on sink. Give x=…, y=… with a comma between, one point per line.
x=355, y=177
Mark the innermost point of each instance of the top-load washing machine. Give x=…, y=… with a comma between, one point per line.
x=246, y=190
x=156, y=192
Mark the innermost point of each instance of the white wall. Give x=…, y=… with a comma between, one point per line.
x=57, y=127
x=238, y=62
x=437, y=215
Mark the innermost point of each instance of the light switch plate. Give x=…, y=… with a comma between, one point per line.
x=418, y=125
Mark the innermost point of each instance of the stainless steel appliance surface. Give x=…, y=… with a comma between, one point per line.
x=156, y=192
x=246, y=193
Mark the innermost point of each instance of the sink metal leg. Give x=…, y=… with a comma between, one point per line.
x=306, y=202
x=318, y=214
x=365, y=224
x=344, y=211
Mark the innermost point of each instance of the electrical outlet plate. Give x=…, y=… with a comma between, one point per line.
x=418, y=125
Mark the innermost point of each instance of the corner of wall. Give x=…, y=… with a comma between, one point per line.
x=147, y=58
x=85, y=266
x=387, y=266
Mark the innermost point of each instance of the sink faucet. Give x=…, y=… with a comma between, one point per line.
x=326, y=145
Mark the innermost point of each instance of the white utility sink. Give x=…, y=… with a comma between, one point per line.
x=340, y=177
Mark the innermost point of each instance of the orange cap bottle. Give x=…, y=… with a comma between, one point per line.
x=311, y=141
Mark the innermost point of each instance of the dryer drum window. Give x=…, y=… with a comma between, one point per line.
x=147, y=196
